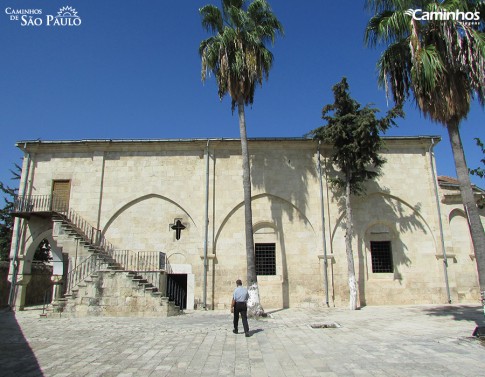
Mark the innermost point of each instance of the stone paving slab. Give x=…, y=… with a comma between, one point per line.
x=374, y=341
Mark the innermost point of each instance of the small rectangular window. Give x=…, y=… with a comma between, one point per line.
x=381, y=255
x=265, y=255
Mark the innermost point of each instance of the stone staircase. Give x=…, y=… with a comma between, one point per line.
x=99, y=284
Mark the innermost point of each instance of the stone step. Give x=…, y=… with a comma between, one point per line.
x=73, y=305
x=116, y=268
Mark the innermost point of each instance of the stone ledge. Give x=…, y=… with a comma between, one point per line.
x=448, y=256
x=209, y=256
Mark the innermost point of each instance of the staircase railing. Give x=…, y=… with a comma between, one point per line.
x=141, y=260
x=34, y=203
x=47, y=299
x=84, y=269
x=148, y=262
x=89, y=233
x=59, y=206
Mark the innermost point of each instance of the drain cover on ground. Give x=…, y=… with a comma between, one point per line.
x=325, y=325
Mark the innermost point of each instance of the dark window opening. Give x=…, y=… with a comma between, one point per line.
x=265, y=255
x=381, y=254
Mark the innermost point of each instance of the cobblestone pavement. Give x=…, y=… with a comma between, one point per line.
x=374, y=341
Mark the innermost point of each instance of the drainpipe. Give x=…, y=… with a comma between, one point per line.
x=435, y=181
x=101, y=189
x=206, y=217
x=325, y=262
x=15, y=264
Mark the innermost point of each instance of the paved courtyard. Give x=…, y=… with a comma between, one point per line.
x=374, y=341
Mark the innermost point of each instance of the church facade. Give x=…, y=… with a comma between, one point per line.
x=182, y=201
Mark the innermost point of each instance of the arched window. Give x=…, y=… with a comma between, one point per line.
x=379, y=242
x=265, y=249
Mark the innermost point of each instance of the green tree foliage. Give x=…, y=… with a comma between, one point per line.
x=479, y=171
x=354, y=131
x=237, y=55
x=43, y=252
x=441, y=64
x=6, y=218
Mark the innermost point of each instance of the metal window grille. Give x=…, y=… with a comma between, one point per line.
x=381, y=255
x=265, y=255
x=162, y=261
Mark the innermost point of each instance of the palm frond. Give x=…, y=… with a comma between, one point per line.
x=211, y=18
x=267, y=25
x=440, y=62
x=378, y=6
x=387, y=27
x=237, y=53
x=394, y=71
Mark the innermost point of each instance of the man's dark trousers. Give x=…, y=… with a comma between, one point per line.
x=242, y=308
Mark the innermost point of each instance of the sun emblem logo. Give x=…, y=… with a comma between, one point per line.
x=67, y=12
x=410, y=12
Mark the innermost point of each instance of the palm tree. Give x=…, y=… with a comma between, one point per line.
x=442, y=64
x=238, y=57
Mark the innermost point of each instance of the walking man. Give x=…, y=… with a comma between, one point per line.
x=239, y=305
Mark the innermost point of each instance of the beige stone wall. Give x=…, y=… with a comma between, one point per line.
x=462, y=269
x=133, y=191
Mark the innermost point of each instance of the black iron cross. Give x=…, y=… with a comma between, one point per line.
x=178, y=227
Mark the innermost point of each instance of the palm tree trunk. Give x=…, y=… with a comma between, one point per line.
x=348, y=247
x=474, y=222
x=254, y=305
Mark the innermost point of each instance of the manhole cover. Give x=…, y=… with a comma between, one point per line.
x=325, y=325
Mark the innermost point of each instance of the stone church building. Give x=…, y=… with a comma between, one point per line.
x=167, y=215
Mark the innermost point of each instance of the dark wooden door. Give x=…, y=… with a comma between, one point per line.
x=61, y=191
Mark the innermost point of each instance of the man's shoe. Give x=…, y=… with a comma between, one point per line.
x=246, y=334
x=234, y=331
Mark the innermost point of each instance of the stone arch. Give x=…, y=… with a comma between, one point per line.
x=253, y=198
x=460, y=232
x=51, y=287
x=57, y=257
x=380, y=225
x=263, y=224
x=296, y=251
x=423, y=224
x=384, y=231
x=464, y=265
x=137, y=200
x=144, y=224
x=413, y=244
x=176, y=258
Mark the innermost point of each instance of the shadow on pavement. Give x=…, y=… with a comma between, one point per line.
x=269, y=312
x=255, y=331
x=459, y=313
x=16, y=356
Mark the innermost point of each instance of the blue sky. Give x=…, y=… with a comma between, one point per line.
x=131, y=70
